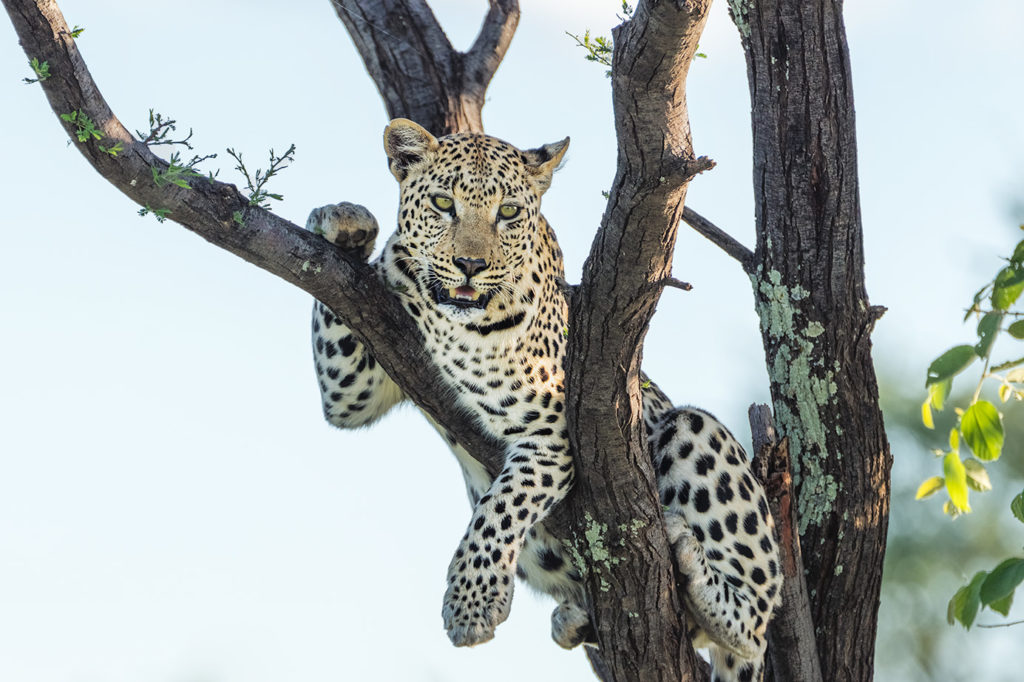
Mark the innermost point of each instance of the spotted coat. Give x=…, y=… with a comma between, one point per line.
x=478, y=267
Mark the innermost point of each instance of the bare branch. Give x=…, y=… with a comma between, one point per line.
x=792, y=650
x=610, y=313
x=676, y=284
x=487, y=51
x=720, y=238
x=208, y=208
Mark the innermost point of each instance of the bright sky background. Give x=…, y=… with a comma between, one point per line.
x=173, y=508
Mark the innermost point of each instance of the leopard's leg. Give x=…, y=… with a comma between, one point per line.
x=537, y=474
x=355, y=389
x=721, y=533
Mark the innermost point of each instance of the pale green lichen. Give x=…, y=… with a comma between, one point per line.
x=740, y=11
x=594, y=533
x=838, y=570
x=307, y=266
x=808, y=388
x=592, y=553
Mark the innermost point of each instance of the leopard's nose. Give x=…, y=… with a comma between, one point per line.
x=470, y=266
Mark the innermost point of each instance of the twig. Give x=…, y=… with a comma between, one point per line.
x=676, y=283
x=720, y=238
x=1001, y=625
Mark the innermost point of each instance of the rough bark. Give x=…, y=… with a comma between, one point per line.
x=631, y=583
x=792, y=654
x=418, y=73
x=815, y=316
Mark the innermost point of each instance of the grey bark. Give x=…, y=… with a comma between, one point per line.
x=633, y=600
x=809, y=264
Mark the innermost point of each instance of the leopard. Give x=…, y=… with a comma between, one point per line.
x=479, y=270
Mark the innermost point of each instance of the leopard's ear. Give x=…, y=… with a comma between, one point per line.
x=542, y=162
x=407, y=145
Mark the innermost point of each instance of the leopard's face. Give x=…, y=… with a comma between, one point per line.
x=469, y=218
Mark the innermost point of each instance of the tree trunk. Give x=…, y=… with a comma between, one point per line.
x=815, y=317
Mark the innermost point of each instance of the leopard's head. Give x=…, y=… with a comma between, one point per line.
x=469, y=217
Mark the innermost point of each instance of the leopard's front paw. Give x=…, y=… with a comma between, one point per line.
x=477, y=601
x=349, y=226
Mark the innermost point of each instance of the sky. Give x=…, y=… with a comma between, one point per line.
x=173, y=508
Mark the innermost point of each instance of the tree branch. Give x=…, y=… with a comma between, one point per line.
x=482, y=60
x=208, y=208
x=633, y=599
x=418, y=73
x=791, y=649
x=720, y=238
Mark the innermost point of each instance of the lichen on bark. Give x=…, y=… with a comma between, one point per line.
x=807, y=388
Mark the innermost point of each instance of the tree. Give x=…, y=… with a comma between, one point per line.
x=806, y=271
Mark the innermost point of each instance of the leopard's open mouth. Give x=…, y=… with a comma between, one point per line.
x=464, y=296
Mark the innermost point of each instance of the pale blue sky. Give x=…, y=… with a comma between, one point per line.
x=173, y=507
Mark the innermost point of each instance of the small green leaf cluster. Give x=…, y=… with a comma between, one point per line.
x=113, y=151
x=76, y=31
x=159, y=213
x=256, y=183
x=85, y=128
x=993, y=589
x=598, y=49
x=980, y=424
x=176, y=172
x=41, y=69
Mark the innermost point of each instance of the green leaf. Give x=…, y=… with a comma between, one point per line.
x=950, y=363
x=964, y=605
x=1002, y=605
x=982, y=428
x=954, y=440
x=1008, y=286
x=938, y=392
x=1002, y=580
x=1017, y=507
x=977, y=477
x=1018, y=253
x=988, y=328
x=956, y=480
x=926, y=414
x=1016, y=329
x=930, y=487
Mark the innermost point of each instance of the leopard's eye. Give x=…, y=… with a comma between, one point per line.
x=508, y=211
x=443, y=203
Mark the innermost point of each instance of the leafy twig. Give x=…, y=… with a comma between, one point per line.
x=160, y=129
x=85, y=128
x=255, y=183
x=42, y=70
